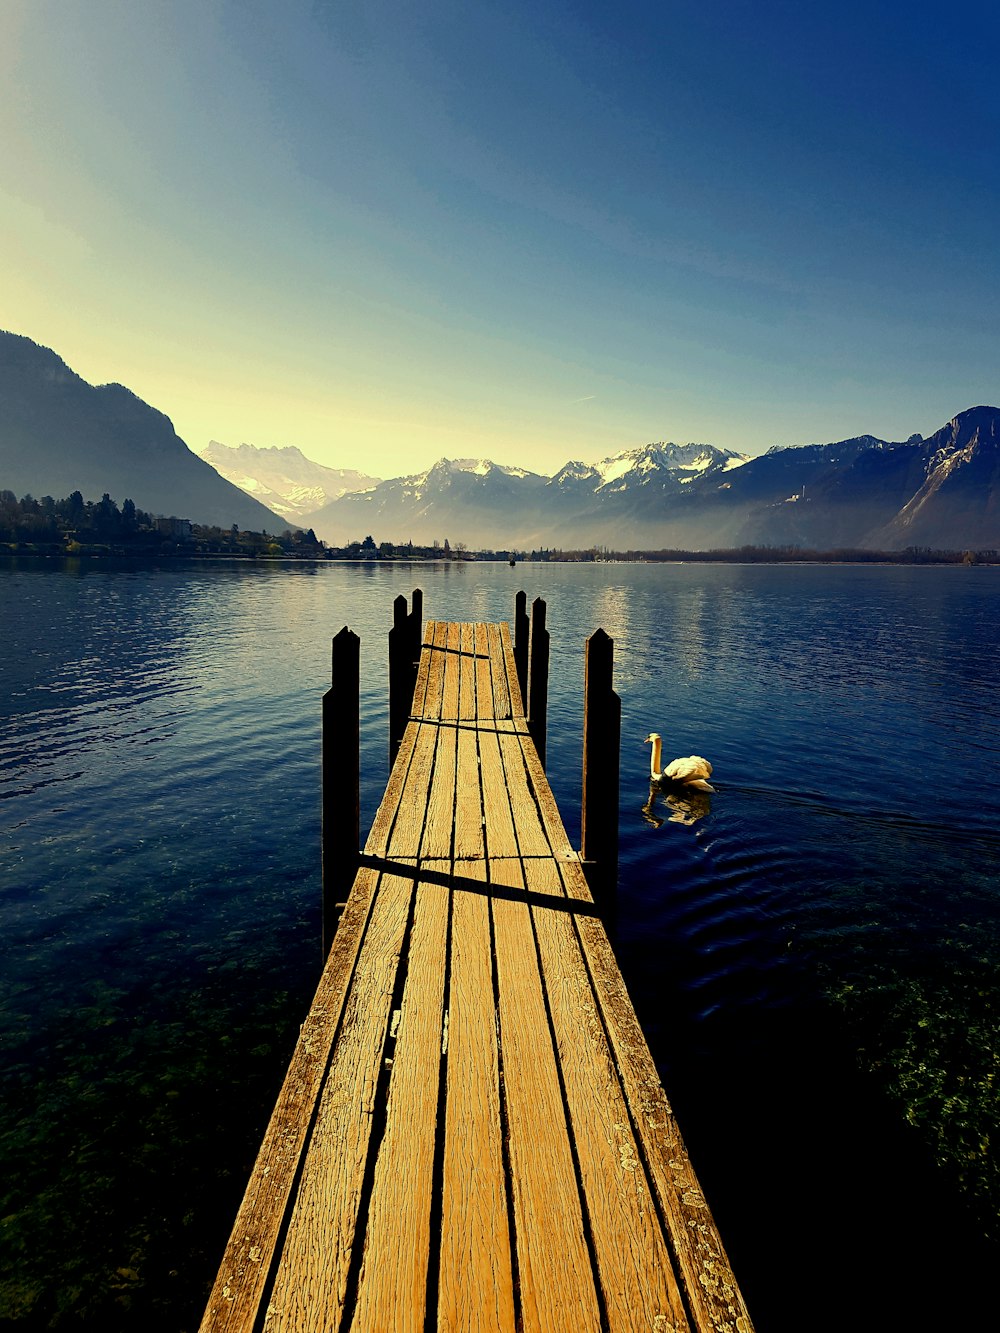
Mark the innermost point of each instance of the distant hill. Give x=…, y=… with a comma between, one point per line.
x=865, y=492
x=59, y=434
x=283, y=478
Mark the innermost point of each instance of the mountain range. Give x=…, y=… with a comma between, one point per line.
x=59, y=434
x=282, y=478
x=941, y=492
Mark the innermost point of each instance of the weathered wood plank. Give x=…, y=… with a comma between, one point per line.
x=440, y=826
x=311, y=1280
x=556, y=1282
x=250, y=1253
x=633, y=1261
x=452, y=674
x=410, y=792
x=485, y=701
x=469, y=843
x=392, y=1287
x=476, y=1285
x=502, y=706
x=523, y=763
x=467, y=660
x=501, y=837
x=434, y=655
x=533, y=836
x=700, y=1257
x=549, y=1155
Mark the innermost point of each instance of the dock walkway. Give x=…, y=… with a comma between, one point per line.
x=472, y=1134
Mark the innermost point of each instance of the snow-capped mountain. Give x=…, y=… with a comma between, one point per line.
x=865, y=492
x=58, y=433
x=490, y=504
x=664, y=465
x=283, y=478
x=474, y=501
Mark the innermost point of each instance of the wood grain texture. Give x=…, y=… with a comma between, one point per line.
x=633, y=1261
x=556, y=1280
x=500, y=1145
x=311, y=1280
x=700, y=1258
x=502, y=704
x=392, y=1287
x=476, y=1287
x=251, y=1250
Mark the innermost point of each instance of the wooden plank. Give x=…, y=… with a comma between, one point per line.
x=700, y=1258
x=434, y=654
x=634, y=1264
x=555, y=1280
x=392, y=1286
x=467, y=695
x=469, y=844
x=501, y=837
x=250, y=1252
x=534, y=838
x=439, y=828
x=502, y=707
x=476, y=1284
x=424, y=665
x=532, y=786
x=452, y=673
x=410, y=790
x=485, y=702
x=311, y=1280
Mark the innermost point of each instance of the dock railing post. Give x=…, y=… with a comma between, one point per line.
x=521, y=631
x=341, y=765
x=404, y=657
x=538, y=677
x=602, y=725
x=415, y=624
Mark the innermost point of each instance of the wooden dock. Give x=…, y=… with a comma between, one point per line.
x=472, y=1134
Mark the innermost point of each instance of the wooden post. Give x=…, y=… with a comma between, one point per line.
x=341, y=765
x=602, y=724
x=521, y=630
x=538, y=677
x=404, y=657
x=399, y=651
x=415, y=624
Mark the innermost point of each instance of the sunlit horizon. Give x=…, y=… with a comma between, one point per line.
x=385, y=237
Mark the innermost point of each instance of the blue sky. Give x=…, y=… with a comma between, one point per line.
x=387, y=232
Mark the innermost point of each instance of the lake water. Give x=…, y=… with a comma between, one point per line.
x=815, y=960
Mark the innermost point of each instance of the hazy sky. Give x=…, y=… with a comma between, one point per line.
x=390, y=230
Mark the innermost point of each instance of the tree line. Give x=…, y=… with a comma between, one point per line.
x=75, y=526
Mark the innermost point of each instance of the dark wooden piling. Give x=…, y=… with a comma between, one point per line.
x=415, y=626
x=341, y=762
x=522, y=629
x=538, y=677
x=404, y=653
x=602, y=724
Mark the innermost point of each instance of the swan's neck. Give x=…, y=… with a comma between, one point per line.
x=655, y=758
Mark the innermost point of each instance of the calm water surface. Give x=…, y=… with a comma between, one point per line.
x=815, y=959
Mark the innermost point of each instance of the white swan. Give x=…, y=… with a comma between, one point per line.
x=690, y=772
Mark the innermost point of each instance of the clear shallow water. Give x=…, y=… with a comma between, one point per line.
x=815, y=961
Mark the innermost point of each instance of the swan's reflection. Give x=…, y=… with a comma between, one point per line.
x=686, y=804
